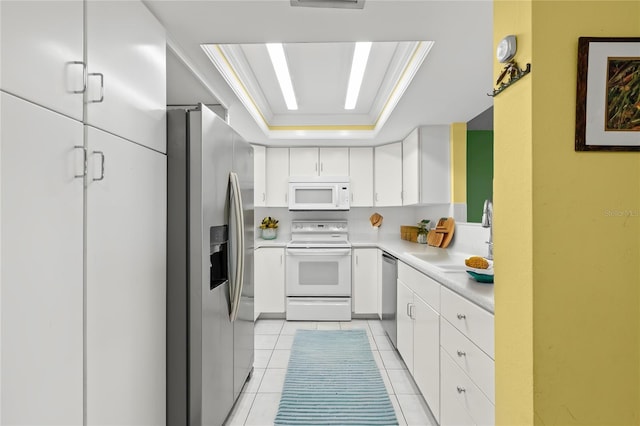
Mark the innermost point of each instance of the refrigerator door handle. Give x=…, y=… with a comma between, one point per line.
x=238, y=234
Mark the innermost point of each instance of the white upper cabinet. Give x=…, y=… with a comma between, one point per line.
x=426, y=170
x=277, y=166
x=126, y=60
x=388, y=175
x=361, y=174
x=259, y=176
x=319, y=162
x=303, y=162
x=334, y=162
x=42, y=53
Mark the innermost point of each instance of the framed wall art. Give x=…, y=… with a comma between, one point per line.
x=608, y=94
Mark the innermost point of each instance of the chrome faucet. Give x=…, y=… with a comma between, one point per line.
x=487, y=222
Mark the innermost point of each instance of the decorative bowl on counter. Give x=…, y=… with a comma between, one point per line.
x=481, y=278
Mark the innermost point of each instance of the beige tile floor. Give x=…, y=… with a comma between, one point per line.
x=258, y=403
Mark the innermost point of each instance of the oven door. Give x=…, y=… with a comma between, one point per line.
x=318, y=272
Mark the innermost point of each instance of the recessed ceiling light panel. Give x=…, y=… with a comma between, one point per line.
x=358, y=66
x=279, y=61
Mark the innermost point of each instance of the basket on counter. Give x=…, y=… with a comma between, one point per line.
x=409, y=233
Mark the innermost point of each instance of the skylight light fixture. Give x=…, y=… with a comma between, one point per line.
x=359, y=64
x=276, y=53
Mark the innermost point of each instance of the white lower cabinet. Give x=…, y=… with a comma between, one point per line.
x=41, y=265
x=467, y=366
x=126, y=282
x=446, y=341
x=365, y=280
x=459, y=392
x=269, y=280
x=418, y=323
x=426, y=354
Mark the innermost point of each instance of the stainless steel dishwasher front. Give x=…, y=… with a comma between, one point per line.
x=389, y=295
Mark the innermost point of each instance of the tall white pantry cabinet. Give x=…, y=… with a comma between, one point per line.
x=82, y=214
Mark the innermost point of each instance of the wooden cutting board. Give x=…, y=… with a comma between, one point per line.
x=435, y=236
x=449, y=226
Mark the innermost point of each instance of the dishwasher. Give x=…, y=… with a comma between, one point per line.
x=389, y=295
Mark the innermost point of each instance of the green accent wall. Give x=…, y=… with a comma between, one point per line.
x=479, y=172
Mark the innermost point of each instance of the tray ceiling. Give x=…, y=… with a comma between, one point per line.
x=319, y=73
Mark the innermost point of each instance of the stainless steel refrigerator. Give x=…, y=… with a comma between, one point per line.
x=210, y=267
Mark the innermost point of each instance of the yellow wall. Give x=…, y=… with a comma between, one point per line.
x=567, y=281
x=512, y=231
x=458, y=146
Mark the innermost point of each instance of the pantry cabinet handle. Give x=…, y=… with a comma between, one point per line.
x=461, y=389
x=461, y=316
x=264, y=197
x=321, y=167
x=461, y=353
x=412, y=311
x=409, y=310
x=101, y=165
x=84, y=76
x=356, y=260
x=101, y=76
x=84, y=161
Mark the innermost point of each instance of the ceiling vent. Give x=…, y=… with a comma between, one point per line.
x=338, y=4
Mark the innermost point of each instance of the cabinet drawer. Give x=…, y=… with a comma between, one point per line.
x=475, y=363
x=471, y=320
x=425, y=287
x=456, y=385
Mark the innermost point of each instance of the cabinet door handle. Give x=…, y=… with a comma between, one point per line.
x=352, y=197
x=409, y=310
x=461, y=316
x=461, y=389
x=316, y=167
x=461, y=353
x=84, y=161
x=264, y=197
x=101, y=76
x=101, y=165
x=321, y=167
x=356, y=260
x=286, y=197
x=412, y=311
x=281, y=258
x=84, y=76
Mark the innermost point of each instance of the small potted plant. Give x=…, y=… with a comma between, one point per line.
x=423, y=230
x=269, y=227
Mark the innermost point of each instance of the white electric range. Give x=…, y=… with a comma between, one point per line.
x=318, y=271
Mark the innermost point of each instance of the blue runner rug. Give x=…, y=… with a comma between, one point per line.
x=332, y=379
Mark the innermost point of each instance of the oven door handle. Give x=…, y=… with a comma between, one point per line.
x=318, y=252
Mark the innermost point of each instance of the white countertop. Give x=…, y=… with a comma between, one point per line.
x=460, y=282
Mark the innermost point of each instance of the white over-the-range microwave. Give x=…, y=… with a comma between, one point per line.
x=319, y=193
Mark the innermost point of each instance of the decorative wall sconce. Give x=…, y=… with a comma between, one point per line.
x=505, y=53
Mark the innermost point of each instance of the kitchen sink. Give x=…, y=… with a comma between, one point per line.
x=442, y=260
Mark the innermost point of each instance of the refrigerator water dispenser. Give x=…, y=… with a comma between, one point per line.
x=218, y=255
